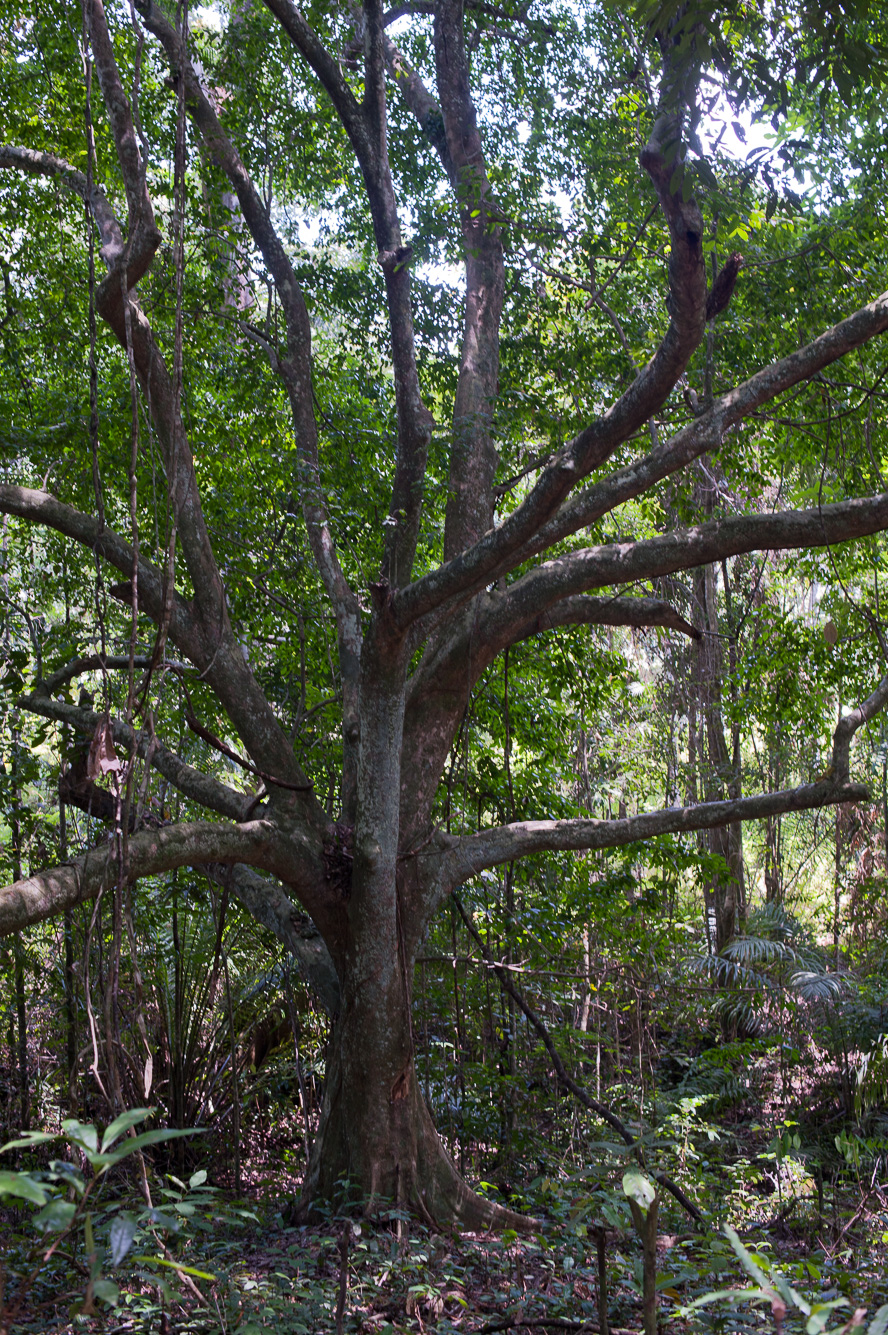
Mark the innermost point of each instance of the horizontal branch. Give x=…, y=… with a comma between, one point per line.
x=49, y=165
x=684, y=549
x=104, y=663
x=586, y=610
x=507, y=843
x=150, y=852
x=441, y=687
x=192, y=783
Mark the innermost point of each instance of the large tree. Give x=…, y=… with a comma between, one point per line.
x=467, y=458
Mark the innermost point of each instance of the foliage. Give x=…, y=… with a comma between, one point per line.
x=96, y=1234
x=786, y=1303
x=714, y=991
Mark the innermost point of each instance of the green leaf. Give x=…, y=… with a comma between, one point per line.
x=820, y=1314
x=23, y=1186
x=107, y=1291
x=27, y=1139
x=123, y=1123
x=83, y=1134
x=55, y=1216
x=879, y=1323
x=120, y=1236
x=753, y=1295
x=104, y=1161
x=638, y=1188
x=174, y=1265
x=749, y=1265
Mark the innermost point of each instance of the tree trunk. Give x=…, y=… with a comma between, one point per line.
x=376, y=1137
x=376, y=1133
x=728, y=887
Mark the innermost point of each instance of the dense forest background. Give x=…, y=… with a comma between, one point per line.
x=629, y=1046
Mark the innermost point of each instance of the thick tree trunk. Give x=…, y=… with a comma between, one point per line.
x=376, y=1132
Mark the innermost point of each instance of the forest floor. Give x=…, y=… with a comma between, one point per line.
x=239, y=1270
x=213, y=1260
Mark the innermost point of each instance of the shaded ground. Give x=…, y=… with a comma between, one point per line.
x=390, y=1275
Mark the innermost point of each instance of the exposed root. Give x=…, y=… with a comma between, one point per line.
x=414, y=1171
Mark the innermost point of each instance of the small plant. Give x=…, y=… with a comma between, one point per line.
x=73, y=1215
x=788, y=1306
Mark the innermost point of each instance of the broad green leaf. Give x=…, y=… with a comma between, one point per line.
x=107, y=1291
x=820, y=1315
x=104, y=1161
x=27, y=1139
x=120, y=1236
x=753, y=1295
x=879, y=1323
x=157, y=1138
x=81, y=1133
x=23, y=1186
x=639, y=1188
x=56, y=1216
x=123, y=1123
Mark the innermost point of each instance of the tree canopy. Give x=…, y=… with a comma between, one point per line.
x=366, y=372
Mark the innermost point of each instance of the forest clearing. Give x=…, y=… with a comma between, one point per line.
x=443, y=667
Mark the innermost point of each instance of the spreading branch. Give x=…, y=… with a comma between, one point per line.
x=365, y=125
x=496, y=550
x=190, y=782
x=683, y=549
x=103, y=663
x=442, y=685
x=133, y=260
x=473, y=456
x=849, y=724
x=582, y=610
x=508, y=843
x=419, y=101
x=293, y=365
x=41, y=507
x=149, y=852
x=706, y=433
x=212, y=645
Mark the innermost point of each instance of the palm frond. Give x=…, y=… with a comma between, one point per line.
x=813, y=985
